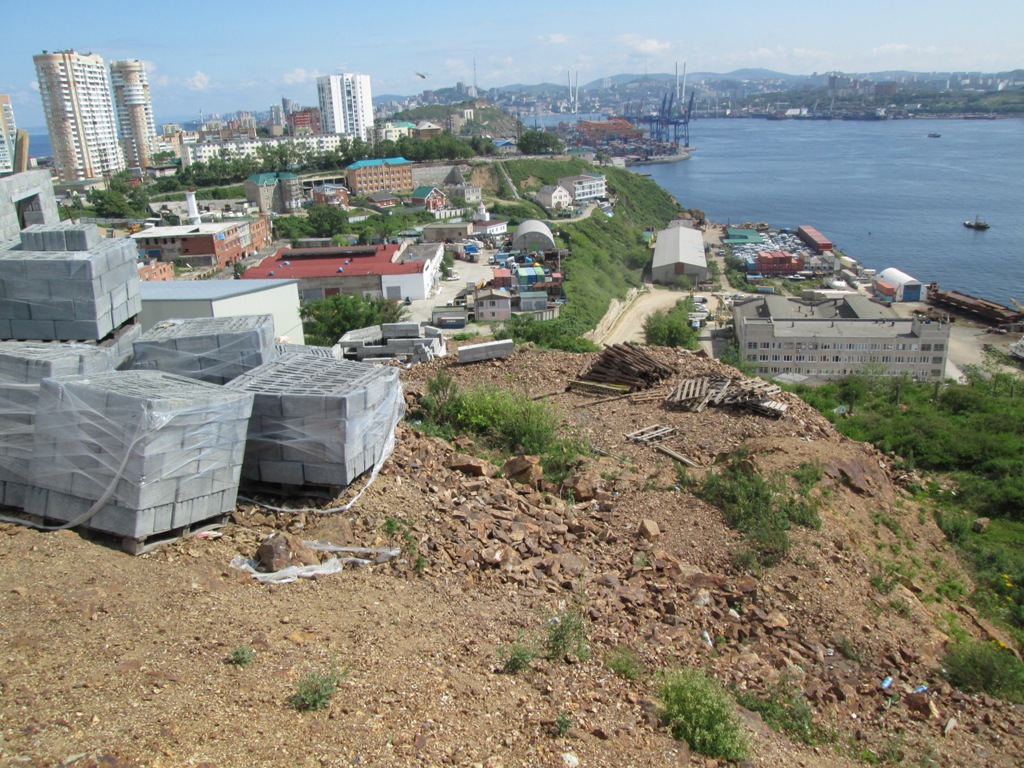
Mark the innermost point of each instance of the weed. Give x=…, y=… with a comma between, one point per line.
x=808, y=474
x=901, y=606
x=420, y=565
x=516, y=657
x=955, y=525
x=396, y=527
x=885, y=581
x=746, y=560
x=847, y=649
x=641, y=560
x=315, y=689
x=979, y=667
x=563, y=723
x=624, y=663
x=951, y=589
x=567, y=635
x=683, y=477
x=785, y=709
x=241, y=656
x=700, y=712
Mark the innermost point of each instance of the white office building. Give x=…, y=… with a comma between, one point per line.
x=346, y=105
x=134, y=111
x=79, y=111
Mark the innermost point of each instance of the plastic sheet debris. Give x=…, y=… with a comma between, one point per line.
x=706, y=637
x=886, y=682
x=332, y=565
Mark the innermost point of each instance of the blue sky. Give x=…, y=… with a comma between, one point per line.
x=218, y=56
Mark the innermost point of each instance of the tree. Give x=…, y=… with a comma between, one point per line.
x=324, y=321
x=537, y=142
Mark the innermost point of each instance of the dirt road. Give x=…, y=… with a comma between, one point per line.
x=629, y=325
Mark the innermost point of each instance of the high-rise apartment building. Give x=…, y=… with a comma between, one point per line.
x=346, y=105
x=134, y=111
x=79, y=112
x=7, y=134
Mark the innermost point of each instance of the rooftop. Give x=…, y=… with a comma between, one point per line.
x=348, y=261
x=374, y=163
x=205, y=290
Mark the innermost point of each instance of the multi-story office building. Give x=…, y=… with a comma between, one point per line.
x=836, y=337
x=134, y=111
x=7, y=134
x=79, y=112
x=346, y=105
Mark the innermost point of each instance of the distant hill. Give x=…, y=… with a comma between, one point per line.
x=488, y=119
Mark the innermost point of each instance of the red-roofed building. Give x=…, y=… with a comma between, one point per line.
x=388, y=271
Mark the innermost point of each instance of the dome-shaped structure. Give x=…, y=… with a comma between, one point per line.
x=532, y=235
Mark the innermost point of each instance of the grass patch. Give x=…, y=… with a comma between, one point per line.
x=978, y=667
x=506, y=421
x=624, y=663
x=761, y=507
x=700, y=712
x=786, y=710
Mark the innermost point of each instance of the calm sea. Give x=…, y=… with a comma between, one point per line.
x=883, y=192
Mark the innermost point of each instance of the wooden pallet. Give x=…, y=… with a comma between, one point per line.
x=251, y=487
x=137, y=546
x=598, y=388
x=628, y=366
x=656, y=433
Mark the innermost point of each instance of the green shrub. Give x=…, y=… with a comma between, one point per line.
x=978, y=667
x=700, y=712
x=567, y=635
x=314, y=690
x=624, y=663
x=563, y=723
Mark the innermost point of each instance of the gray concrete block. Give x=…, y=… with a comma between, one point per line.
x=400, y=331
x=486, y=351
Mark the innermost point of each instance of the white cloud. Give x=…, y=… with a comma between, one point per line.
x=890, y=49
x=556, y=38
x=199, y=81
x=35, y=85
x=300, y=75
x=150, y=66
x=646, y=45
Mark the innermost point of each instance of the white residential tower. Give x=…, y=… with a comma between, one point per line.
x=346, y=105
x=134, y=111
x=79, y=111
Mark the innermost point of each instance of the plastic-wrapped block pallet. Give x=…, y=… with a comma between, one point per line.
x=150, y=451
x=213, y=349
x=70, y=295
x=318, y=421
x=23, y=366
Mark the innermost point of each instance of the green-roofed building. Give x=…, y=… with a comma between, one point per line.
x=742, y=236
x=279, y=192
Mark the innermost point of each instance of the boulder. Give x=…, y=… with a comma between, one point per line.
x=283, y=550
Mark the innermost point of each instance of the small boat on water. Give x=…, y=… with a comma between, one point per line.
x=976, y=224
x=934, y=135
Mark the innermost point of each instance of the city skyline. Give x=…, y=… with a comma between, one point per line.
x=196, y=62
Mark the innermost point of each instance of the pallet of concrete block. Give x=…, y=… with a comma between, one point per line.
x=136, y=454
x=334, y=353
x=52, y=293
x=317, y=423
x=488, y=350
x=213, y=349
x=23, y=366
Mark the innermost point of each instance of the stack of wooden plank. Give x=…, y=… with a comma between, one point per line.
x=628, y=366
x=698, y=393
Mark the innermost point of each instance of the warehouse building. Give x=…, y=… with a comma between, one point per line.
x=893, y=285
x=679, y=252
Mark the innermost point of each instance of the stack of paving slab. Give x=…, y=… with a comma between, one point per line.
x=153, y=452
x=23, y=366
x=64, y=282
x=212, y=349
x=317, y=421
x=404, y=341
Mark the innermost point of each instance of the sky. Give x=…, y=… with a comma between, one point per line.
x=220, y=57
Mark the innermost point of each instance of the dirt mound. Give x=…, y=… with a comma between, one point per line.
x=115, y=660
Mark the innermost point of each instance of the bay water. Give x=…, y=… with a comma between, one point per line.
x=883, y=192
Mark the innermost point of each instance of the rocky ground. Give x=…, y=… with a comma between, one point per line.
x=113, y=660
